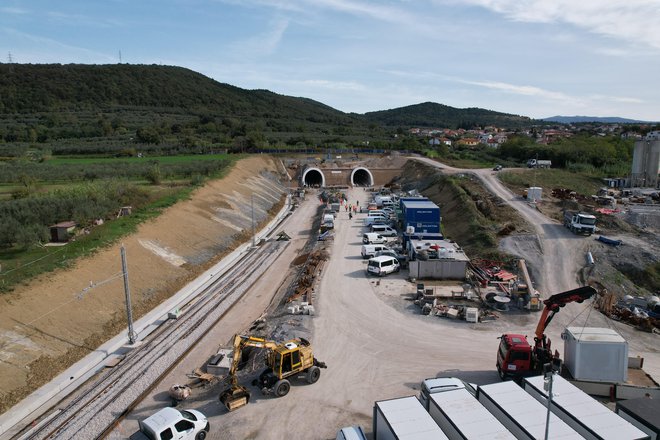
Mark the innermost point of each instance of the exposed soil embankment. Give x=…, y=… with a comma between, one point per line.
x=471, y=216
x=57, y=319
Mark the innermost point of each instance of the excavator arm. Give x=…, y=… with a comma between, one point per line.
x=237, y=395
x=552, y=306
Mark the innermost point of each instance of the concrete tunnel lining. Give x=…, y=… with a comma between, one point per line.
x=316, y=170
x=361, y=170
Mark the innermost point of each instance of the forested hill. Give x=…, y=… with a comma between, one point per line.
x=122, y=108
x=28, y=88
x=430, y=114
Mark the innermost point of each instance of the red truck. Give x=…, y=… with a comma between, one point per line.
x=517, y=358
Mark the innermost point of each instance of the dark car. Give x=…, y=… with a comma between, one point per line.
x=497, y=167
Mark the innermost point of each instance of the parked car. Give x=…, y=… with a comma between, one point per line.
x=170, y=423
x=497, y=167
x=383, y=265
x=383, y=230
x=373, y=238
x=351, y=433
x=402, y=259
x=370, y=250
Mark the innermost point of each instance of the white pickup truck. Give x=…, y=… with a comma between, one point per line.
x=172, y=424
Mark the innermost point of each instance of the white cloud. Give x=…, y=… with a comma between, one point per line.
x=334, y=85
x=632, y=21
x=264, y=43
x=523, y=90
x=15, y=11
x=61, y=52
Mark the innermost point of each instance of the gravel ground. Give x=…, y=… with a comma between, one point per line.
x=375, y=344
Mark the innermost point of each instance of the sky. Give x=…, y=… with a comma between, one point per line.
x=535, y=58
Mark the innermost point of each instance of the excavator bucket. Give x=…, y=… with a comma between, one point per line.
x=235, y=397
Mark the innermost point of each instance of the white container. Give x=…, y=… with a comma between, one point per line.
x=472, y=314
x=534, y=193
x=404, y=419
x=521, y=414
x=461, y=416
x=595, y=354
x=591, y=419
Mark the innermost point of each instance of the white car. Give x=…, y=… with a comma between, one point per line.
x=383, y=265
x=170, y=423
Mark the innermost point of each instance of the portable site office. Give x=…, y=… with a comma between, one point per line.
x=404, y=419
x=588, y=417
x=523, y=415
x=461, y=416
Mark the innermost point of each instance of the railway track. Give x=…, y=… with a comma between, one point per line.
x=96, y=407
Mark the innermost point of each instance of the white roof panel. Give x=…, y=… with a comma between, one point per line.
x=586, y=410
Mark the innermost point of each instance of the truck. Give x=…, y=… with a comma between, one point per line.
x=517, y=358
x=171, y=423
x=404, y=418
x=536, y=163
x=580, y=222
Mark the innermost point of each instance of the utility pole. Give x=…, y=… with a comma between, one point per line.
x=127, y=291
x=254, y=237
x=119, y=56
x=547, y=385
x=10, y=60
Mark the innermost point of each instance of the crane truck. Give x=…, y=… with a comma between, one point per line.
x=517, y=358
x=285, y=360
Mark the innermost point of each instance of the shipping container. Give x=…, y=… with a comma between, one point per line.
x=642, y=412
x=521, y=414
x=580, y=411
x=595, y=354
x=404, y=419
x=461, y=416
x=423, y=215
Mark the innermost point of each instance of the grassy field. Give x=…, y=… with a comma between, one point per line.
x=161, y=159
x=548, y=179
x=18, y=265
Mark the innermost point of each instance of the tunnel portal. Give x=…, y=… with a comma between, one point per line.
x=313, y=177
x=362, y=177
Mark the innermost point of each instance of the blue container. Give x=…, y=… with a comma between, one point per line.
x=423, y=215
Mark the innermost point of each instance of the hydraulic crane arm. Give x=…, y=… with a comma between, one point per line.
x=241, y=342
x=559, y=300
x=552, y=306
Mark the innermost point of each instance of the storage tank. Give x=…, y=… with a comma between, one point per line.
x=596, y=354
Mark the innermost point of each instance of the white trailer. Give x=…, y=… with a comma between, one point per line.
x=521, y=414
x=590, y=418
x=462, y=417
x=404, y=419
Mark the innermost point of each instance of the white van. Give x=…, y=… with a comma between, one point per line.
x=376, y=213
x=383, y=230
x=373, y=238
x=374, y=221
x=381, y=266
x=351, y=433
x=370, y=250
x=174, y=424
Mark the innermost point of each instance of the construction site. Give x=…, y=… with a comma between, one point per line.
x=335, y=310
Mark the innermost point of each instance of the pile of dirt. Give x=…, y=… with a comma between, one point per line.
x=57, y=319
x=471, y=215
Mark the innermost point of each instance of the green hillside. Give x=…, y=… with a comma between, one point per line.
x=126, y=109
x=430, y=114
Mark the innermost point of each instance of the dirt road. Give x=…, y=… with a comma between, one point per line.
x=376, y=344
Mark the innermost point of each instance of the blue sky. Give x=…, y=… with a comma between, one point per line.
x=536, y=58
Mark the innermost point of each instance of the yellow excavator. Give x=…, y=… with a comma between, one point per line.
x=292, y=358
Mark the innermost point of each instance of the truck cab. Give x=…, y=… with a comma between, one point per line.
x=579, y=222
x=514, y=356
x=170, y=423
